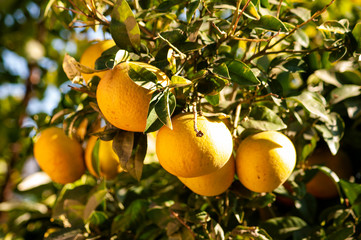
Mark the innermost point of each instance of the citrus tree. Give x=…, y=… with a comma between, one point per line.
x=199, y=119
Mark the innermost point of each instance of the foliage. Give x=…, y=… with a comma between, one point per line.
x=290, y=66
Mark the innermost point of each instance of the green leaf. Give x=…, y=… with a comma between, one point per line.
x=211, y=84
x=213, y=99
x=263, y=118
x=163, y=110
x=161, y=107
x=250, y=11
x=135, y=163
x=303, y=13
x=191, y=9
x=142, y=76
x=345, y=91
x=352, y=192
x=332, y=28
x=95, y=157
x=313, y=103
x=97, y=218
x=178, y=81
x=283, y=227
x=356, y=32
x=337, y=55
x=332, y=131
x=133, y=215
x=124, y=27
x=242, y=74
x=302, y=38
x=270, y=23
x=153, y=123
x=353, y=108
x=93, y=202
x=221, y=70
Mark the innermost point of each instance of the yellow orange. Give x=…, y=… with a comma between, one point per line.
x=265, y=160
x=214, y=183
x=184, y=154
x=59, y=156
x=123, y=102
x=91, y=54
x=109, y=165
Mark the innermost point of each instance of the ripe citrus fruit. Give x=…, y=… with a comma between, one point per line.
x=183, y=154
x=59, y=156
x=321, y=185
x=108, y=160
x=123, y=102
x=214, y=183
x=265, y=160
x=91, y=54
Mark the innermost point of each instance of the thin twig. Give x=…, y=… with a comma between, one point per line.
x=279, y=8
x=239, y=17
x=174, y=214
x=182, y=55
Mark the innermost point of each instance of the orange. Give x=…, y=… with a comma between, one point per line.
x=183, y=154
x=265, y=160
x=91, y=54
x=321, y=185
x=59, y=156
x=214, y=183
x=123, y=102
x=108, y=160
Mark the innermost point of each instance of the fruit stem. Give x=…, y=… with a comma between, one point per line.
x=198, y=132
x=236, y=119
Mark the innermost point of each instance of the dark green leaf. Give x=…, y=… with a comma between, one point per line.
x=134, y=214
x=124, y=27
x=191, y=9
x=242, y=74
x=283, y=227
x=187, y=47
x=270, y=23
x=211, y=85
x=263, y=118
x=338, y=54
x=356, y=32
x=221, y=70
